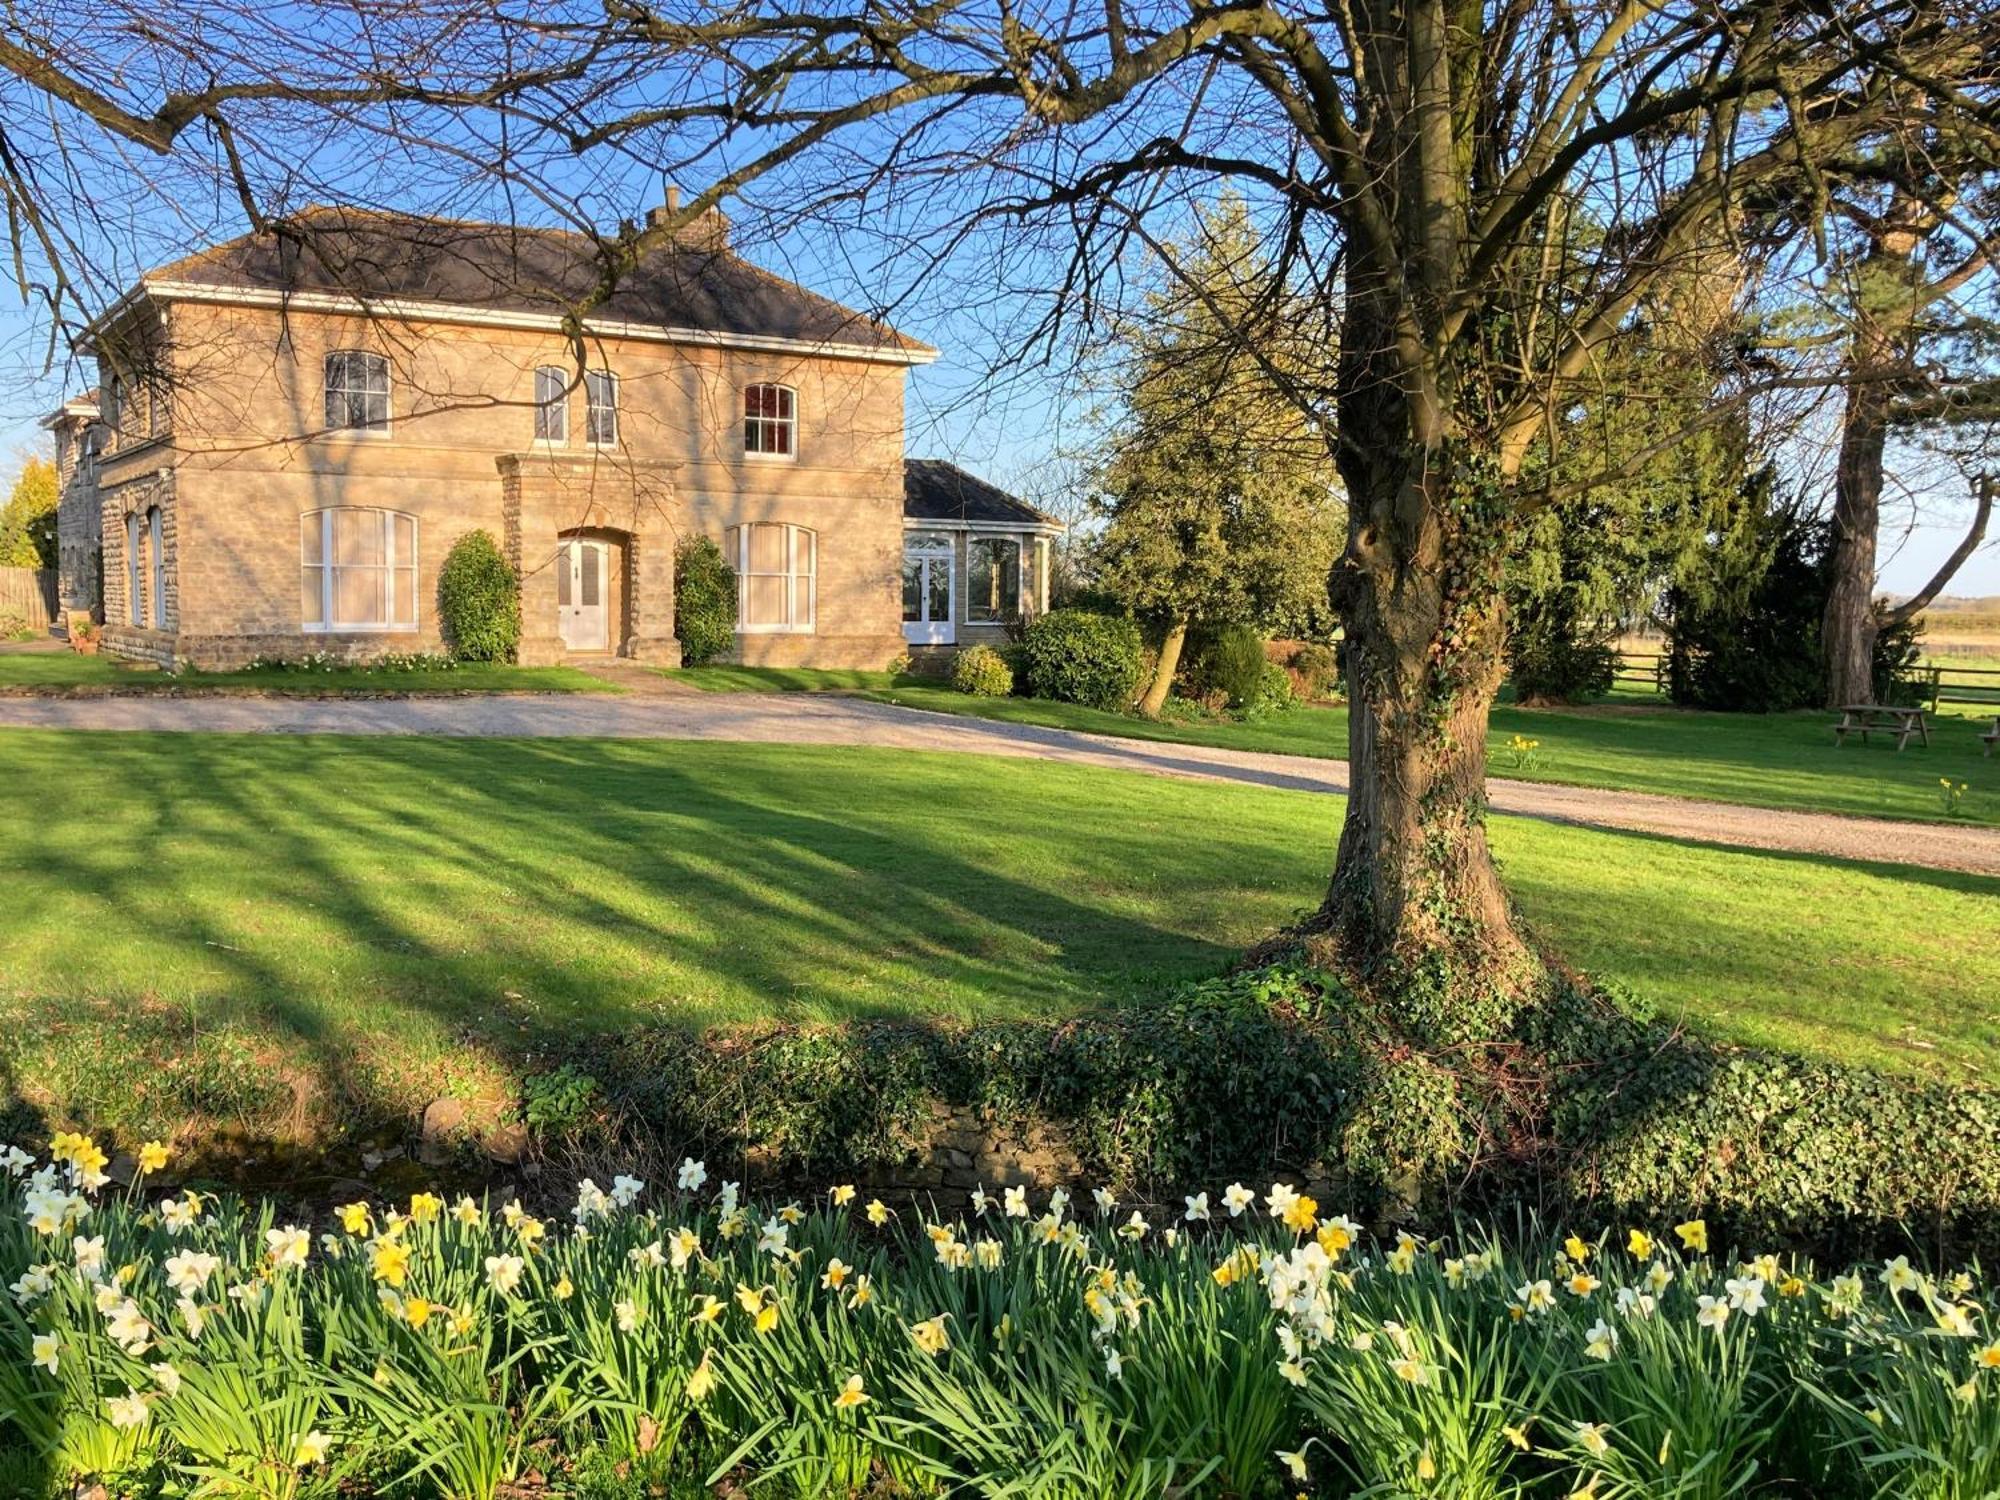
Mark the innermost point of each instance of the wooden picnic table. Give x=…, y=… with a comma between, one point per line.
x=1885, y=718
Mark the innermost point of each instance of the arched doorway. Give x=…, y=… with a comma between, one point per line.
x=593, y=591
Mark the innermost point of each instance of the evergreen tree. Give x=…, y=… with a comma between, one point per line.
x=1218, y=491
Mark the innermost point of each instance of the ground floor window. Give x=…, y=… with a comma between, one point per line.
x=993, y=578
x=776, y=576
x=135, y=596
x=358, y=569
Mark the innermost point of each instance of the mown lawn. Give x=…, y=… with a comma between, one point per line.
x=54, y=670
x=1760, y=760
x=403, y=917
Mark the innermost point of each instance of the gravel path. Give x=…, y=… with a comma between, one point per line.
x=800, y=719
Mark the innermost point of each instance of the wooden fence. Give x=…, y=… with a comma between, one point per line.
x=1645, y=672
x=29, y=594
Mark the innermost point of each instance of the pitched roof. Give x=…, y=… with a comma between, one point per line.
x=696, y=284
x=934, y=490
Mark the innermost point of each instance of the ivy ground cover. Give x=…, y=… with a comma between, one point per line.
x=649, y=1339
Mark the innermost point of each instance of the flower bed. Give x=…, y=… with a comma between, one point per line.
x=1240, y=1344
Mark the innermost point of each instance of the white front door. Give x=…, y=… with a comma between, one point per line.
x=581, y=618
x=930, y=592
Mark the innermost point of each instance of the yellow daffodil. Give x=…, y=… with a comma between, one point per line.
x=1301, y=1213
x=389, y=1261
x=1694, y=1235
x=851, y=1395
x=416, y=1312
x=1639, y=1244
x=930, y=1335
x=152, y=1156
x=353, y=1217
x=1518, y=1436
x=1295, y=1464
x=1590, y=1436
x=879, y=1212
x=701, y=1379
x=1989, y=1357
x=707, y=1309
x=310, y=1448
x=863, y=1293
x=425, y=1207
x=843, y=1195
x=1576, y=1249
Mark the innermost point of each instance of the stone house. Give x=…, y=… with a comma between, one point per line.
x=292, y=429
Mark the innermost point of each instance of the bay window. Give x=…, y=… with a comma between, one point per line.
x=358, y=569
x=776, y=574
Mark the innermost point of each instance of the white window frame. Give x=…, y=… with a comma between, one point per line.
x=392, y=567
x=370, y=430
x=788, y=423
x=595, y=381
x=558, y=405
x=791, y=575
x=1020, y=563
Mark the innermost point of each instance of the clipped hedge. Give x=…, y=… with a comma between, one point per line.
x=479, y=600
x=704, y=601
x=1580, y=1111
x=1075, y=656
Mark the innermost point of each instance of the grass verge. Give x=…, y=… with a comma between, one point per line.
x=66, y=671
x=1759, y=760
x=349, y=927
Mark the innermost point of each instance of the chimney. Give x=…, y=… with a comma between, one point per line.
x=708, y=231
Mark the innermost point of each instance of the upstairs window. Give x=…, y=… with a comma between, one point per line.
x=776, y=571
x=358, y=569
x=600, y=392
x=357, y=392
x=770, y=421
x=552, y=405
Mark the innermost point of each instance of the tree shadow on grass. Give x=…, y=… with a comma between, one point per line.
x=375, y=907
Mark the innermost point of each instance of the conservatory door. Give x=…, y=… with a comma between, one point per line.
x=930, y=591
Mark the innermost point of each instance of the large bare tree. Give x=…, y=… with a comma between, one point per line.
x=1425, y=163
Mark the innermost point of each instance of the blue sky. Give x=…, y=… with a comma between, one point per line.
x=1011, y=425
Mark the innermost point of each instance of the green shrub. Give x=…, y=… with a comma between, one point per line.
x=1554, y=655
x=479, y=600
x=1315, y=670
x=1074, y=656
x=1233, y=665
x=704, y=601
x=982, y=672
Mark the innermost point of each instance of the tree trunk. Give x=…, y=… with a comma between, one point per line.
x=1163, y=674
x=1416, y=899
x=1848, y=631
x=1879, y=353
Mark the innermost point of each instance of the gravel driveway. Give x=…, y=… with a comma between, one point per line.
x=800, y=719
